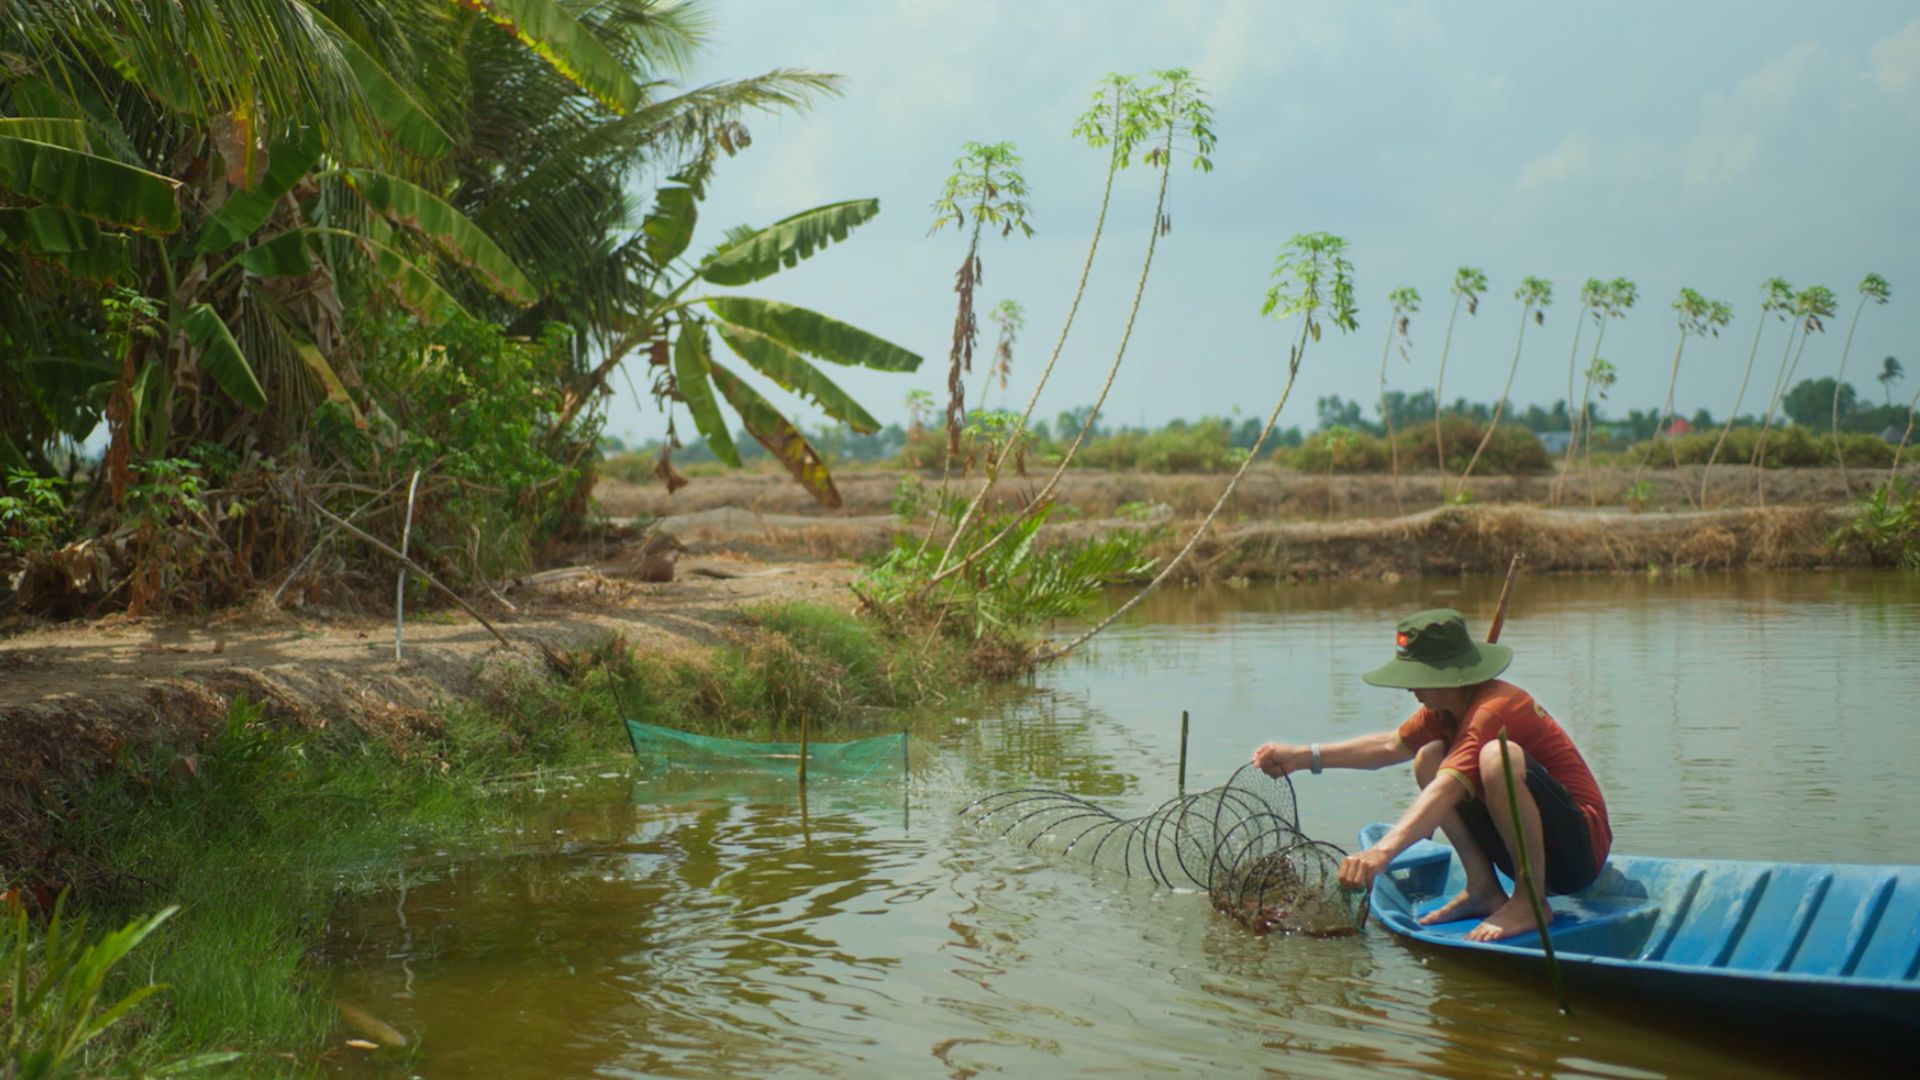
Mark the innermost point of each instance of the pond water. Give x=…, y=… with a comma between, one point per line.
x=633, y=925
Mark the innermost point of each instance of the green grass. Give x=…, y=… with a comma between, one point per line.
x=257, y=839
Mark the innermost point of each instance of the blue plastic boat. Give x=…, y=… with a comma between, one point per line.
x=1813, y=944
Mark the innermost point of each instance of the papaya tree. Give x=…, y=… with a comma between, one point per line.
x=1468, y=283
x=1696, y=316
x=1776, y=299
x=986, y=184
x=1534, y=295
x=1873, y=287
x=1405, y=301
x=1011, y=318
x=1174, y=111
x=1812, y=306
x=1604, y=301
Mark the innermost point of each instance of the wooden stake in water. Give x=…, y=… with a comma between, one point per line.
x=1506, y=596
x=1183, y=752
x=803, y=750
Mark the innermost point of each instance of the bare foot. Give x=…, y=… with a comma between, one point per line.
x=1514, y=917
x=1469, y=904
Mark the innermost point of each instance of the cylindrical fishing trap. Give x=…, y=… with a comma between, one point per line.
x=1241, y=842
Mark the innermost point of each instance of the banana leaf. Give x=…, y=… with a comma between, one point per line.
x=91, y=186
x=791, y=370
x=814, y=334
x=411, y=126
x=764, y=252
x=780, y=437
x=465, y=242
x=221, y=357
x=566, y=44
x=692, y=369
x=245, y=211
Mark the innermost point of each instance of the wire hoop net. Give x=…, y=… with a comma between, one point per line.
x=1240, y=842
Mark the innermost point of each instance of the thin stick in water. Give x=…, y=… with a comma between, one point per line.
x=1183, y=752
x=400, y=577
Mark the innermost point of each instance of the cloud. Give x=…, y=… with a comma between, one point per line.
x=1778, y=81
x=1574, y=159
x=1713, y=160
x=1894, y=60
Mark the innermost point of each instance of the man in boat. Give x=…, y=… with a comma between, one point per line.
x=1453, y=740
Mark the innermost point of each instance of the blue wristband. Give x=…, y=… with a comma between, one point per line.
x=1314, y=749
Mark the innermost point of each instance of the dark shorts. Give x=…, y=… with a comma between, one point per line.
x=1569, y=843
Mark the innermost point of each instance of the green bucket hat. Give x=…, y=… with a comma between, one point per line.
x=1434, y=651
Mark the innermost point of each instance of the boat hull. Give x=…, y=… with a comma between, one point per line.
x=1825, y=946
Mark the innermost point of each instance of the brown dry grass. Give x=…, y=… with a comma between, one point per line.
x=1268, y=492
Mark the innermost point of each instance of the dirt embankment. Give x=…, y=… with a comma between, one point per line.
x=1267, y=493
x=1282, y=525
x=73, y=695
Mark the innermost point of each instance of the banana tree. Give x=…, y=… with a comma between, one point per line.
x=679, y=322
x=235, y=170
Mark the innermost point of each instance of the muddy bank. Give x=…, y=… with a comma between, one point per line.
x=1439, y=541
x=1267, y=492
x=75, y=697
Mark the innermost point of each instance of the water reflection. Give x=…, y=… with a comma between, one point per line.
x=711, y=926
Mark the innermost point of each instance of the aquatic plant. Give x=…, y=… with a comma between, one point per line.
x=1776, y=299
x=1534, y=294
x=1468, y=283
x=1872, y=287
x=1405, y=301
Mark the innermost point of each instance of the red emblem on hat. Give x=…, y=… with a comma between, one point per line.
x=1400, y=640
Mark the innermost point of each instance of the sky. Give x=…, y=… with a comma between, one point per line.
x=1708, y=144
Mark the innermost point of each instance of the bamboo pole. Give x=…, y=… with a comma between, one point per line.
x=1506, y=597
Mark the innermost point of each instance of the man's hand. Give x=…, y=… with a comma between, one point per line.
x=1279, y=759
x=1358, y=870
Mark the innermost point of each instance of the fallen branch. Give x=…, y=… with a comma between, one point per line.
x=379, y=545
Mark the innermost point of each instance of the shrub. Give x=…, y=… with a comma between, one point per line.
x=1792, y=446
x=1512, y=450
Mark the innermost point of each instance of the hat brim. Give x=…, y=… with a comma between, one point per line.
x=1476, y=665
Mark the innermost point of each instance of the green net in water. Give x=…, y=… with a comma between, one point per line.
x=883, y=757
